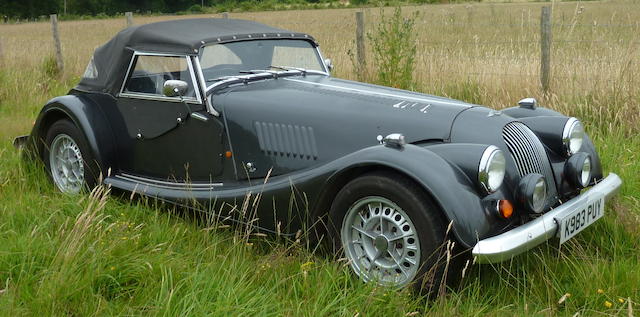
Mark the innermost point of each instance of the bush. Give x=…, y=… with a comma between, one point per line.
x=196, y=8
x=394, y=50
x=49, y=67
x=359, y=2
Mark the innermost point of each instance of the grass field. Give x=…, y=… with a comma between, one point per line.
x=104, y=255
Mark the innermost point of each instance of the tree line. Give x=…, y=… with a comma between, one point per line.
x=21, y=9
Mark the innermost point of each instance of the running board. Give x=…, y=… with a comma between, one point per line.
x=186, y=194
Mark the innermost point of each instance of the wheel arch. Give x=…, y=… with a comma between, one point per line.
x=467, y=213
x=87, y=117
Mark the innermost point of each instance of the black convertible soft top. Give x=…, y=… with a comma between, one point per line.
x=109, y=63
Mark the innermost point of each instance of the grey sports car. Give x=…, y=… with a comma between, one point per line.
x=203, y=112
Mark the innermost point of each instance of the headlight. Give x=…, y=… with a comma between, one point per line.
x=491, y=169
x=532, y=192
x=572, y=136
x=577, y=170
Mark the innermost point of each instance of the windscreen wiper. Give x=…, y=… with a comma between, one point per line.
x=258, y=74
x=303, y=71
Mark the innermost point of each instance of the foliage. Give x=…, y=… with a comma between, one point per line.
x=394, y=49
x=49, y=67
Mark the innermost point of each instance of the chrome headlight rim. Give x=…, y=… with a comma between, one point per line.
x=578, y=169
x=585, y=172
x=532, y=192
x=572, y=136
x=492, y=169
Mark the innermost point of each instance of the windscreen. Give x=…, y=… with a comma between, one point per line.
x=232, y=59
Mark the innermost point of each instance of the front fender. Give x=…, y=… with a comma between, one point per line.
x=87, y=116
x=447, y=184
x=549, y=130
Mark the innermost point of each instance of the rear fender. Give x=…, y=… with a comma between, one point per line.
x=88, y=117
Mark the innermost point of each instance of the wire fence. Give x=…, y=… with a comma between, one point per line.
x=471, y=43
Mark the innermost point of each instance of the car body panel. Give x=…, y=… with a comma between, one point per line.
x=289, y=124
x=291, y=199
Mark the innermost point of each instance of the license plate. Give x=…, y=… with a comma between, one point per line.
x=582, y=217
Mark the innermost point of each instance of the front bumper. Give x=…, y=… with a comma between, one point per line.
x=513, y=242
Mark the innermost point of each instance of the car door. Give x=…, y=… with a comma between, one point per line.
x=163, y=140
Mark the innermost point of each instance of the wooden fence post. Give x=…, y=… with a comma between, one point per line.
x=225, y=15
x=1, y=54
x=360, y=52
x=56, y=42
x=545, y=49
x=129, y=16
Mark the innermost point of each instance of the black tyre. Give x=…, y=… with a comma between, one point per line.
x=68, y=160
x=391, y=232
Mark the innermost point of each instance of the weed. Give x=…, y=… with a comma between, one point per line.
x=49, y=67
x=394, y=49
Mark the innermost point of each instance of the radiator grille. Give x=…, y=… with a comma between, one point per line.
x=529, y=154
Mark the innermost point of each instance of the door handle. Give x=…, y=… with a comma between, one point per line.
x=199, y=116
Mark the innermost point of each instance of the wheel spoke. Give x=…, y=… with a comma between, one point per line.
x=75, y=174
x=366, y=233
x=373, y=261
x=398, y=263
x=402, y=236
x=371, y=210
x=411, y=247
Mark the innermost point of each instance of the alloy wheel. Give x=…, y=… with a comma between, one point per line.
x=66, y=163
x=381, y=242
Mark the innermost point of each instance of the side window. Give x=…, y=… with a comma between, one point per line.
x=150, y=72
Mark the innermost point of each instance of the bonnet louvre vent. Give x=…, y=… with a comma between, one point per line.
x=287, y=140
x=529, y=154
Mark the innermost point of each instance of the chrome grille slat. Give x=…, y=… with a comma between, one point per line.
x=515, y=146
x=529, y=154
x=533, y=160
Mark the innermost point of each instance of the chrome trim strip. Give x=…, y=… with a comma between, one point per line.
x=157, y=97
x=518, y=240
x=326, y=69
x=194, y=81
x=126, y=75
x=203, y=87
x=168, y=185
x=369, y=92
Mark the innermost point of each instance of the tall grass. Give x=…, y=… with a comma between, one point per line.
x=102, y=255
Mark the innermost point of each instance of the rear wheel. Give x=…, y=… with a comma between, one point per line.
x=67, y=158
x=390, y=231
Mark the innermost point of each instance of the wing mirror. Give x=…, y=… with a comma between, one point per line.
x=328, y=63
x=174, y=88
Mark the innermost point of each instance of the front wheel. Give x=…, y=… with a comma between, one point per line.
x=390, y=231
